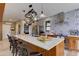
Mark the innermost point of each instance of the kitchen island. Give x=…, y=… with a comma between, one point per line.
x=52, y=47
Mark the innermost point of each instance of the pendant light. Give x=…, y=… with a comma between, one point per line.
x=42, y=13
x=35, y=19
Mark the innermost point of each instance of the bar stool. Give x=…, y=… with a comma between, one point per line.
x=10, y=41
x=14, y=46
x=24, y=52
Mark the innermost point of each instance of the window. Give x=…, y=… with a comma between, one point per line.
x=47, y=26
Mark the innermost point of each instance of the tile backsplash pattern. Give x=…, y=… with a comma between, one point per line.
x=71, y=22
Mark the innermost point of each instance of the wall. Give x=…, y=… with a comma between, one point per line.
x=17, y=27
x=71, y=22
x=21, y=23
x=41, y=24
x=6, y=30
x=22, y=27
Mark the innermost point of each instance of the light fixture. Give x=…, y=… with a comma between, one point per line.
x=42, y=15
x=32, y=15
x=35, y=19
x=28, y=21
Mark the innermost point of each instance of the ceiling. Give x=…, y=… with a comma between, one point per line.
x=14, y=11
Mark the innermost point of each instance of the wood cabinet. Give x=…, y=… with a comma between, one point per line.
x=72, y=43
x=2, y=6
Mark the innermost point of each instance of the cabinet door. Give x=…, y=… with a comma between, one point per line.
x=72, y=43
x=2, y=6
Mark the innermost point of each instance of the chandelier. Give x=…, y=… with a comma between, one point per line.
x=32, y=15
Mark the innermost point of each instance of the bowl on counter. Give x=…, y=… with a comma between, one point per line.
x=44, y=38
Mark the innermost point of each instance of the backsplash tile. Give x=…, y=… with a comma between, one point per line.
x=71, y=22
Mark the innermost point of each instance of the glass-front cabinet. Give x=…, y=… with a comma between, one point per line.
x=26, y=28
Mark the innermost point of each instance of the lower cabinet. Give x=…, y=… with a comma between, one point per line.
x=72, y=43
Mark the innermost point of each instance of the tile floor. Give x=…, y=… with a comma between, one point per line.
x=4, y=50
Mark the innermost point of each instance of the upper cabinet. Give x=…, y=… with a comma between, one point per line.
x=26, y=28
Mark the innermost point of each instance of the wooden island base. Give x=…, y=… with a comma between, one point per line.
x=58, y=50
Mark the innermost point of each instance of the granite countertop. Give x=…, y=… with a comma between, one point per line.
x=45, y=45
x=73, y=35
